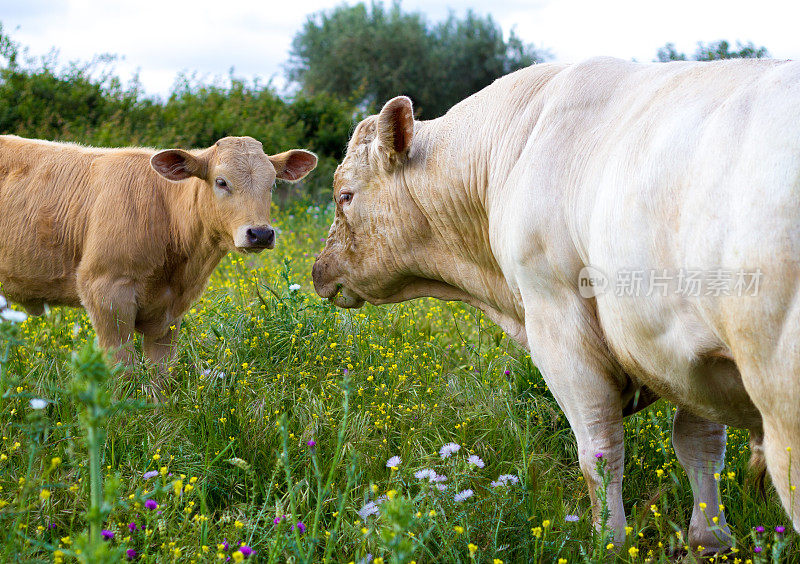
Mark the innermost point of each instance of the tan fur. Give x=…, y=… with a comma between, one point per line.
x=100, y=228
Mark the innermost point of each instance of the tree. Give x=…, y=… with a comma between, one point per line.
x=86, y=102
x=470, y=54
x=371, y=54
x=713, y=51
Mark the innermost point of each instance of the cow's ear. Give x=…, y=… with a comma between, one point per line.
x=293, y=165
x=396, y=126
x=175, y=164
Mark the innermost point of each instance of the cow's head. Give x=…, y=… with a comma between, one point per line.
x=378, y=232
x=237, y=192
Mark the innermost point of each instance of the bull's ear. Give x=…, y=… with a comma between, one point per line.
x=175, y=164
x=293, y=165
x=396, y=126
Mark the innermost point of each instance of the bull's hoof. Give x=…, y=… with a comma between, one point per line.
x=708, y=542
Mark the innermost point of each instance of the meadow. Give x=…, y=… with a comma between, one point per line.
x=292, y=431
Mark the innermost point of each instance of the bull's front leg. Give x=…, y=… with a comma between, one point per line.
x=565, y=346
x=700, y=447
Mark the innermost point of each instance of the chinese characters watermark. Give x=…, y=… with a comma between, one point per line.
x=687, y=282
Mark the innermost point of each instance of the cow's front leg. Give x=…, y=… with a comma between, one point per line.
x=581, y=375
x=161, y=350
x=700, y=447
x=111, y=304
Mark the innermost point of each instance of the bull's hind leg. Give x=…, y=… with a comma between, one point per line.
x=700, y=447
x=778, y=399
x=782, y=451
x=765, y=341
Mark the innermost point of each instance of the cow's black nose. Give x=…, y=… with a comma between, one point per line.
x=261, y=236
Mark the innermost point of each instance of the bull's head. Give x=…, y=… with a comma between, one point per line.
x=378, y=232
x=238, y=179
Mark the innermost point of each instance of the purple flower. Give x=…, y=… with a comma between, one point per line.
x=571, y=518
x=225, y=545
x=131, y=554
x=599, y=455
x=504, y=480
x=108, y=535
x=312, y=443
x=757, y=549
x=507, y=372
x=246, y=550
x=150, y=474
x=132, y=526
x=759, y=529
x=150, y=504
x=370, y=508
x=300, y=526
x=476, y=460
x=780, y=529
x=394, y=462
x=449, y=449
x=276, y=520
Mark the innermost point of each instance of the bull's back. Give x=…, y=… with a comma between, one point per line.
x=45, y=198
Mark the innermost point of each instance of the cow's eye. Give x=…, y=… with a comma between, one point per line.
x=345, y=197
x=222, y=185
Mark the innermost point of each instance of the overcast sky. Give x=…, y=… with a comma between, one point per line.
x=161, y=38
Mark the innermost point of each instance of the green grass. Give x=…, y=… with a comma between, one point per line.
x=262, y=371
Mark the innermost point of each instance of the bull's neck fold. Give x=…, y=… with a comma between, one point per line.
x=457, y=169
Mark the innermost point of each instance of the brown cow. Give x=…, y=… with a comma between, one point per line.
x=131, y=234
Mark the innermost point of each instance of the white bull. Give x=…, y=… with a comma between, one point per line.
x=635, y=226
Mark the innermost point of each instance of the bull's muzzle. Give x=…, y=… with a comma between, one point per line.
x=324, y=285
x=329, y=287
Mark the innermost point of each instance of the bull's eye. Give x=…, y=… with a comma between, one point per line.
x=222, y=185
x=345, y=197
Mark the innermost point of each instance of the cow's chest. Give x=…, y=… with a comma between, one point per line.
x=166, y=296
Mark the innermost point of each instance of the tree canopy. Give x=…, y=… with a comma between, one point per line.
x=86, y=103
x=713, y=51
x=369, y=54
